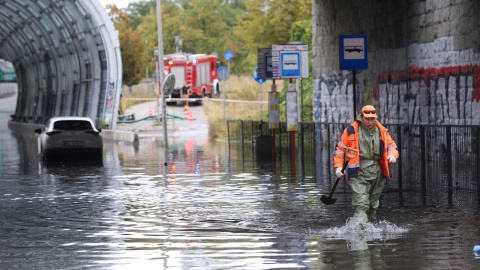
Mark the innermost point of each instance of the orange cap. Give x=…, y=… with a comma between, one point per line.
x=369, y=111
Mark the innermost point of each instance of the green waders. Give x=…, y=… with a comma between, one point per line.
x=366, y=190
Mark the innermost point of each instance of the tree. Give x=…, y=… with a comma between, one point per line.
x=203, y=29
x=131, y=46
x=148, y=29
x=137, y=10
x=267, y=22
x=206, y=26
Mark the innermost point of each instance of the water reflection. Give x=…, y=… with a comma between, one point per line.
x=208, y=209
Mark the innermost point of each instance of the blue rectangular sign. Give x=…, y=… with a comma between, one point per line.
x=353, y=52
x=290, y=64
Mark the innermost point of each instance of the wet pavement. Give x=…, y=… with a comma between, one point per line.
x=208, y=209
x=176, y=127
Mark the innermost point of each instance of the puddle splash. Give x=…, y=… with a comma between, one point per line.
x=358, y=234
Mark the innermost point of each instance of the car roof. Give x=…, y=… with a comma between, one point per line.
x=65, y=118
x=53, y=120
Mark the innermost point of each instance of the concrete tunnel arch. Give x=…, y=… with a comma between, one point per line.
x=66, y=55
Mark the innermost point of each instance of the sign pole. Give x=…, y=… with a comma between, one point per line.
x=354, y=95
x=224, y=94
x=260, y=81
x=228, y=55
x=353, y=54
x=274, y=124
x=160, y=61
x=260, y=104
x=292, y=120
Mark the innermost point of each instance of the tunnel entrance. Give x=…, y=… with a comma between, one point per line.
x=65, y=57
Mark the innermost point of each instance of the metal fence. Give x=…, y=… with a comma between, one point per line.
x=440, y=162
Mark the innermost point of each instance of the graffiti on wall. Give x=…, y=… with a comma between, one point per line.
x=420, y=95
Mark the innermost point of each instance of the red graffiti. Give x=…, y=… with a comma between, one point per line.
x=430, y=73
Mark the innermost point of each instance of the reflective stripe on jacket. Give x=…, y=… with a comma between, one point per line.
x=350, y=139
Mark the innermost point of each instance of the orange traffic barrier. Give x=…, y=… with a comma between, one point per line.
x=188, y=114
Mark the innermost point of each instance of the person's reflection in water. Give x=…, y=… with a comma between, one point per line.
x=365, y=256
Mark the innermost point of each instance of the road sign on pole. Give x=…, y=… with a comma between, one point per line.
x=256, y=78
x=223, y=73
x=289, y=61
x=228, y=55
x=353, y=52
x=260, y=81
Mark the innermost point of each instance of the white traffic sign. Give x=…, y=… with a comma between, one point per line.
x=289, y=61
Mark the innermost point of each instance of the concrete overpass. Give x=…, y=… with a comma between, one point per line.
x=66, y=56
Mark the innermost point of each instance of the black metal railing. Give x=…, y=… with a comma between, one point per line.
x=432, y=157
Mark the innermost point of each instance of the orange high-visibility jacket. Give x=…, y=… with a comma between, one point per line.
x=349, y=139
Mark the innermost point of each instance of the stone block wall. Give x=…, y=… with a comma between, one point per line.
x=424, y=60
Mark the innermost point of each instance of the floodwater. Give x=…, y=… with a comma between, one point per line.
x=206, y=210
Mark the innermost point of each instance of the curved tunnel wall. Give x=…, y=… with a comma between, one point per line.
x=66, y=56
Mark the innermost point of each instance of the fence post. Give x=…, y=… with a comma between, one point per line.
x=399, y=148
x=241, y=142
x=477, y=141
x=423, y=161
x=252, y=140
x=302, y=149
x=228, y=134
x=280, y=146
x=449, y=157
x=315, y=153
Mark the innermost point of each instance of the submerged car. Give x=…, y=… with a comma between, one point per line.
x=69, y=137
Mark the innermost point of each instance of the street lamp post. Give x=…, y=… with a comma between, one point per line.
x=161, y=77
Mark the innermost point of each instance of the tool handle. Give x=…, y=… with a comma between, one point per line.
x=333, y=188
x=338, y=179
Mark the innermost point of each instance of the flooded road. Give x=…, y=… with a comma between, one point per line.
x=208, y=209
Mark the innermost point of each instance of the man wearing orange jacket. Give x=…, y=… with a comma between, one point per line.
x=366, y=170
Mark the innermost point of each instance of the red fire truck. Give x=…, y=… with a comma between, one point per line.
x=195, y=77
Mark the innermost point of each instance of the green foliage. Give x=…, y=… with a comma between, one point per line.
x=137, y=10
x=132, y=70
x=206, y=26
x=264, y=23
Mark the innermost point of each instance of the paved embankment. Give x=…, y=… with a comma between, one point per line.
x=176, y=127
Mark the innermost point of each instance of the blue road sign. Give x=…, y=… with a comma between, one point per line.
x=353, y=52
x=228, y=55
x=256, y=78
x=290, y=64
x=223, y=73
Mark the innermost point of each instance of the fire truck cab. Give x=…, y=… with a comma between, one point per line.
x=195, y=77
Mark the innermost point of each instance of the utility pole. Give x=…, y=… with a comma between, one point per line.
x=161, y=76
